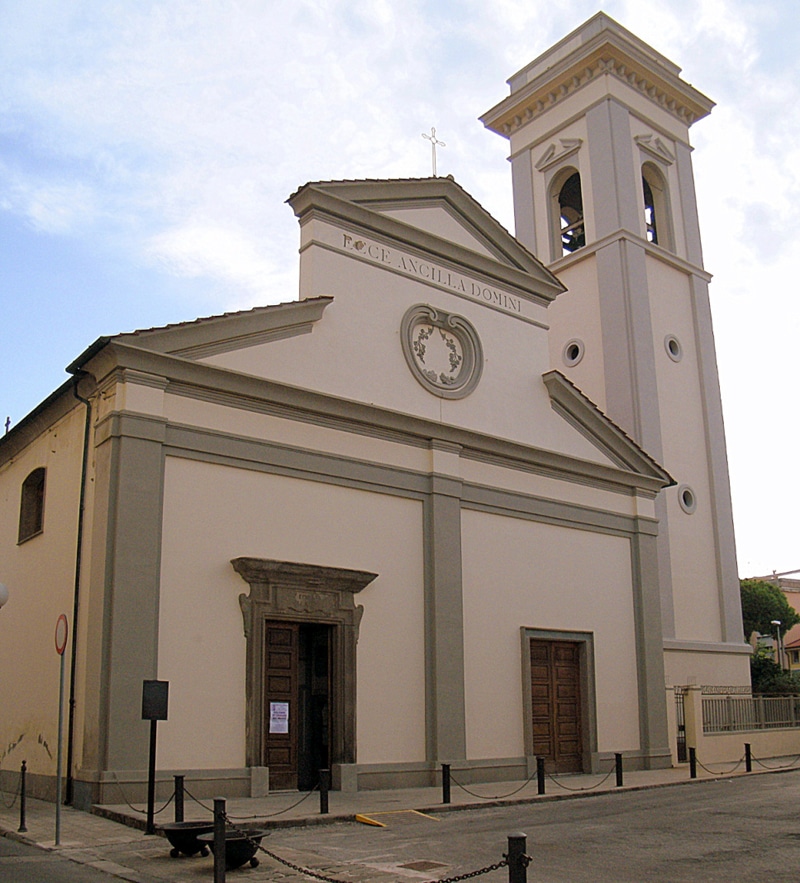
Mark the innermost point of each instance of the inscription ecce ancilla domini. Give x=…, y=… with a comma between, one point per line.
x=380, y=254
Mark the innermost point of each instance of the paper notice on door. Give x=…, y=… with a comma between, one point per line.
x=279, y=717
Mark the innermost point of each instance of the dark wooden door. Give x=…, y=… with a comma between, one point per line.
x=281, y=640
x=314, y=709
x=556, y=704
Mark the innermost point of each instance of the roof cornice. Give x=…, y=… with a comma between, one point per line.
x=48, y=412
x=585, y=416
x=232, y=330
x=600, y=48
x=243, y=390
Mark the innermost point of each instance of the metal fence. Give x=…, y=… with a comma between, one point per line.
x=731, y=714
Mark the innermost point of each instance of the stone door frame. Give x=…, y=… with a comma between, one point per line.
x=304, y=593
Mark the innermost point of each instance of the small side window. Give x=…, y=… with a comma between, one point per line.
x=31, y=507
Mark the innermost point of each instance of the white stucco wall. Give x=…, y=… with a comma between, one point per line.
x=575, y=315
x=214, y=513
x=40, y=576
x=355, y=352
x=695, y=582
x=526, y=574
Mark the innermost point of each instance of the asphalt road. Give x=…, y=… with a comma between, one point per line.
x=738, y=829
x=735, y=830
x=20, y=863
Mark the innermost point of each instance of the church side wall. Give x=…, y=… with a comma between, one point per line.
x=40, y=575
x=214, y=513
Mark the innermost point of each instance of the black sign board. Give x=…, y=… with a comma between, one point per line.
x=155, y=696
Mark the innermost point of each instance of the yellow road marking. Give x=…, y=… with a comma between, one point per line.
x=368, y=820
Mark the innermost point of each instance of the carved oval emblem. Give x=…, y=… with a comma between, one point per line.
x=442, y=350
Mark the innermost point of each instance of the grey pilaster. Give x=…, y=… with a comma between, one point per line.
x=649, y=648
x=688, y=204
x=130, y=633
x=628, y=350
x=615, y=205
x=444, y=670
x=522, y=186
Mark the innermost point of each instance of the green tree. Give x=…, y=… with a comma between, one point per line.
x=767, y=677
x=761, y=603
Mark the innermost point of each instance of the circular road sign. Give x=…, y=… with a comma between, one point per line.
x=62, y=630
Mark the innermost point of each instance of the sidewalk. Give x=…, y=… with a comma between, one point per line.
x=112, y=838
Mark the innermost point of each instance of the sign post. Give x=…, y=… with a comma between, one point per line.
x=155, y=698
x=62, y=632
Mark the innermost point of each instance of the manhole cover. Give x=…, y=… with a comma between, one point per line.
x=423, y=866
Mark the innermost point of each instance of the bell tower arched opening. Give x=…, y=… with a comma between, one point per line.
x=569, y=228
x=658, y=227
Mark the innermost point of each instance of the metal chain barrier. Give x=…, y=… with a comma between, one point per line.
x=14, y=798
x=785, y=766
x=721, y=772
x=494, y=797
x=588, y=787
x=268, y=815
x=326, y=879
x=142, y=812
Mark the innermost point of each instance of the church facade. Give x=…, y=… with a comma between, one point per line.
x=465, y=500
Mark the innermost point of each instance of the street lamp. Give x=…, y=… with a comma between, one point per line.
x=3, y=594
x=777, y=624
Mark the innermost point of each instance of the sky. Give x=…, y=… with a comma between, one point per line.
x=147, y=150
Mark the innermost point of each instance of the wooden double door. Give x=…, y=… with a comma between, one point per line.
x=297, y=703
x=556, y=705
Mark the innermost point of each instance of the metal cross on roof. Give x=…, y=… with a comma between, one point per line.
x=434, y=144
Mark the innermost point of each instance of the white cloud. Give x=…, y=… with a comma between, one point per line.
x=204, y=250
x=48, y=206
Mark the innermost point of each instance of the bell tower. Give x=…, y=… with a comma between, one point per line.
x=604, y=196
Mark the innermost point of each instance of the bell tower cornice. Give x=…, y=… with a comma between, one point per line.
x=599, y=51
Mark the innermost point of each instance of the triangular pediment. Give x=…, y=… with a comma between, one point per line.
x=431, y=214
x=230, y=331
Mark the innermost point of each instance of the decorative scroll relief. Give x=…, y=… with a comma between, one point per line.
x=442, y=350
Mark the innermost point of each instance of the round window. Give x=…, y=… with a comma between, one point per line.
x=573, y=352
x=673, y=347
x=687, y=499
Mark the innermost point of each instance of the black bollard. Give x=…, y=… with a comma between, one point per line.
x=748, y=758
x=692, y=763
x=618, y=767
x=324, y=788
x=178, y=798
x=540, y=774
x=445, y=783
x=150, y=825
x=517, y=859
x=22, y=774
x=219, y=840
